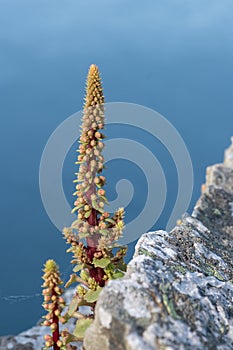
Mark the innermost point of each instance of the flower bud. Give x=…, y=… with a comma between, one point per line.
x=59, y=343
x=54, y=298
x=57, y=290
x=101, y=192
x=98, y=135
x=100, y=145
x=62, y=320
x=61, y=300
x=53, y=326
x=96, y=180
x=47, y=337
x=57, y=312
x=49, y=344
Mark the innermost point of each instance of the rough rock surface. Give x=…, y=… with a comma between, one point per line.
x=178, y=290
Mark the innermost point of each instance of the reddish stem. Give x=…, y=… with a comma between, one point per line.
x=56, y=334
x=92, y=242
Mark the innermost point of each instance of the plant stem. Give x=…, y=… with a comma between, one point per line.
x=55, y=334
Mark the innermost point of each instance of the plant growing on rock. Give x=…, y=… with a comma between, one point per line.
x=53, y=303
x=93, y=236
x=94, y=260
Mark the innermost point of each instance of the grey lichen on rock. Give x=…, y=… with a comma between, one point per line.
x=178, y=290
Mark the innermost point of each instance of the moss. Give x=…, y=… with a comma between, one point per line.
x=178, y=268
x=217, y=212
x=146, y=252
x=167, y=298
x=210, y=270
x=170, y=306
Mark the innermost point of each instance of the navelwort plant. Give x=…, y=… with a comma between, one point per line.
x=53, y=303
x=93, y=236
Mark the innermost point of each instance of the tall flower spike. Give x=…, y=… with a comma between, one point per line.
x=93, y=222
x=53, y=303
x=90, y=202
x=95, y=261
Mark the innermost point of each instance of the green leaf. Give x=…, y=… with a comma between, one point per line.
x=92, y=295
x=68, y=339
x=71, y=280
x=76, y=222
x=74, y=210
x=86, y=188
x=78, y=267
x=104, y=232
x=73, y=305
x=117, y=274
x=66, y=316
x=79, y=206
x=101, y=262
x=96, y=207
x=84, y=235
x=94, y=204
x=87, y=214
x=104, y=198
x=111, y=221
x=81, y=327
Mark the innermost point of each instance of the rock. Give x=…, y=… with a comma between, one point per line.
x=178, y=289
x=9, y=343
x=228, y=159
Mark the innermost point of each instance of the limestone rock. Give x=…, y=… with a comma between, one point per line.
x=178, y=290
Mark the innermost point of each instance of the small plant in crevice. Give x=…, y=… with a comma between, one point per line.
x=93, y=237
